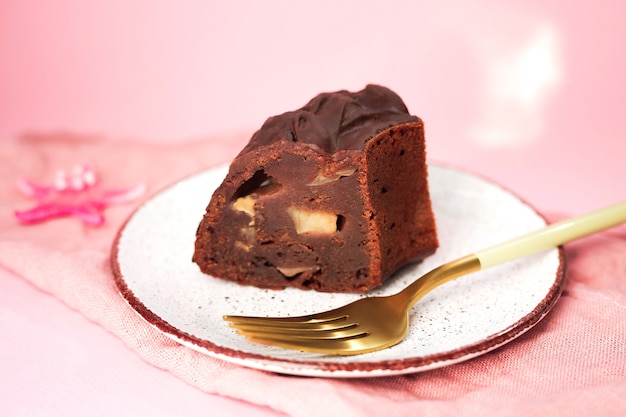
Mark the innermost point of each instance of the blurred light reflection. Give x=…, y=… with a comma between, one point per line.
x=519, y=81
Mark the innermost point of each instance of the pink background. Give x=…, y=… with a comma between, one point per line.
x=534, y=87
x=528, y=93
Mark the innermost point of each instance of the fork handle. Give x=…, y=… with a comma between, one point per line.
x=553, y=235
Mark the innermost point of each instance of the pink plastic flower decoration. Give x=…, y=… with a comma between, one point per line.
x=75, y=193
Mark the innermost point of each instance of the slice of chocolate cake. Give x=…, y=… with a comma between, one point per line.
x=332, y=197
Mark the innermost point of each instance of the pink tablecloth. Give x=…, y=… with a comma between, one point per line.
x=573, y=363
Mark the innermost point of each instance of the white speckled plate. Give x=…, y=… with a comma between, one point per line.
x=462, y=319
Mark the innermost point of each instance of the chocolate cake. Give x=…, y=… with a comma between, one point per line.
x=332, y=197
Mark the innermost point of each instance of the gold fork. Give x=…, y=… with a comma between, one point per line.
x=376, y=323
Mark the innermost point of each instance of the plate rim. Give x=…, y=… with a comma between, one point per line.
x=348, y=369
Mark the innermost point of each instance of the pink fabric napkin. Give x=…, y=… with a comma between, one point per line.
x=572, y=363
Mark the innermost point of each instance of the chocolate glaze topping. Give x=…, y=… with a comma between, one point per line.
x=336, y=121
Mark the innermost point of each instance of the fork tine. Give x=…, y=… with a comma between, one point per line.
x=344, y=346
x=347, y=331
x=245, y=323
x=305, y=327
x=327, y=317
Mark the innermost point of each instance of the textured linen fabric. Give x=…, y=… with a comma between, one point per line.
x=572, y=363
